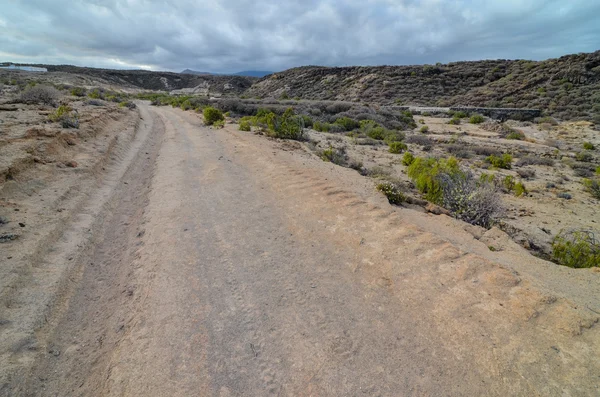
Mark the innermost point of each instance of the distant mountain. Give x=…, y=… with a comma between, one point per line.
x=245, y=73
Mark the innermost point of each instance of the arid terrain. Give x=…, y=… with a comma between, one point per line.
x=146, y=253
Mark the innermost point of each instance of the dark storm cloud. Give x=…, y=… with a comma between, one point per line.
x=272, y=35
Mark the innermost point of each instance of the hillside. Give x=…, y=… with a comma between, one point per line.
x=567, y=87
x=150, y=80
x=246, y=73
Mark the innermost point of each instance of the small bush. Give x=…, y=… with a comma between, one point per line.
x=58, y=114
x=476, y=119
x=70, y=121
x=219, y=124
x=503, y=161
x=40, y=94
x=392, y=192
x=584, y=156
x=419, y=140
x=520, y=189
x=245, y=125
x=454, y=121
x=96, y=94
x=127, y=104
x=577, y=249
x=424, y=173
x=526, y=173
x=424, y=129
x=408, y=158
x=593, y=187
x=397, y=147
x=469, y=199
x=509, y=183
x=347, y=123
x=321, y=127
x=212, y=115
x=588, y=146
x=534, y=160
x=516, y=135
x=78, y=91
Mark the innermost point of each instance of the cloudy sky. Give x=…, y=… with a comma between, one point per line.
x=234, y=35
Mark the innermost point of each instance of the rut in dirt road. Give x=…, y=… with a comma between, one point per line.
x=261, y=271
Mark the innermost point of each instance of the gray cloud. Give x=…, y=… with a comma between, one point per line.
x=273, y=35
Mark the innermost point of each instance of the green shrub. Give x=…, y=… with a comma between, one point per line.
x=408, y=158
x=476, y=119
x=78, y=91
x=516, y=135
x=424, y=129
x=286, y=126
x=424, y=173
x=520, y=189
x=421, y=121
x=347, y=123
x=127, y=104
x=584, y=156
x=308, y=122
x=96, y=94
x=339, y=157
x=393, y=136
x=578, y=249
x=59, y=113
x=503, y=161
x=219, y=124
x=593, y=187
x=212, y=115
x=65, y=116
x=588, y=146
x=392, y=192
x=459, y=115
x=397, y=147
x=321, y=127
x=245, y=125
x=509, y=183
x=454, y=121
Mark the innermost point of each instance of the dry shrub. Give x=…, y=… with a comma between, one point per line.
x=469, y=199
x=40, y=94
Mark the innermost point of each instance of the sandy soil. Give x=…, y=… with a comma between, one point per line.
x=218, y=262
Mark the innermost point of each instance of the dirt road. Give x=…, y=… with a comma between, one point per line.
x=235, y=265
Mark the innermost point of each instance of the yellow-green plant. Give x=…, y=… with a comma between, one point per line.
x=424, y=173
x=579, y=249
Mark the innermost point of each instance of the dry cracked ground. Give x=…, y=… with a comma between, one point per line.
x=159, y=257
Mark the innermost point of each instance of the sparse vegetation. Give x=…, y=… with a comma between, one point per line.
x=588, y=146
x=424, y=129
